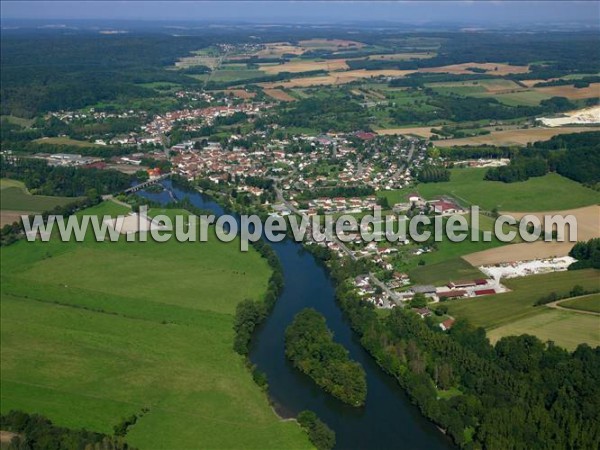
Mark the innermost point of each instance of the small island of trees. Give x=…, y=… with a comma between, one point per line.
x=309, y=345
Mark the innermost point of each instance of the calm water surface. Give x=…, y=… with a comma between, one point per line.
x=388, y=420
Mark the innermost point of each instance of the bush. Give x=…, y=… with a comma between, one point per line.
x=319, y=433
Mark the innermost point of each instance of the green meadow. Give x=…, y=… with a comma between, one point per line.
x=93, y=332
x=565, y=328
x=67, y=141
x=445, y=264
x=550, y=192
x=590, y=303
x=14, y=197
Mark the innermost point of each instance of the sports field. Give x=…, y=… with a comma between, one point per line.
x=94, y=332
x=514, y=312
x=550, y=192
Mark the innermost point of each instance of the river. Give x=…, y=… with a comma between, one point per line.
x=387, y=420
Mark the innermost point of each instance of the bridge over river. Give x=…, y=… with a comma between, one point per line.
x=145, y=184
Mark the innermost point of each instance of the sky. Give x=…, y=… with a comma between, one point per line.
x=415, y=12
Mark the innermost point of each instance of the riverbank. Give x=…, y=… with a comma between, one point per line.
x=387, y=415
x=114, y=328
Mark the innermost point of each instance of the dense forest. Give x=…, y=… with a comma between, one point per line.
x=328, y=111
x=41, y=178
x=575, y=156
x=520, y=393
x=309, y=345
x=561, y=53
x=458, y=108
x=519, y=169
x=587, y=254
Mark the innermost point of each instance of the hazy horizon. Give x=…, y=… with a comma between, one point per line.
x=485, y=13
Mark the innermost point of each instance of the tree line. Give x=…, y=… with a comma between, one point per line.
x=36, y=432
x=587, y=255
x=42, y=178
x=432, y=174
x=250, y=313
x=519, y=393
x=575, y=156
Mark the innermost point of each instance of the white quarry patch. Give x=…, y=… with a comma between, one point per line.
x=525, y=268
x=587, y=116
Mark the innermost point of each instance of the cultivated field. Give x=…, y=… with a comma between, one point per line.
x=241, y=93
x=424, y=132
x=548, y=193
x=513, y=137
x=305, y=66
x=278, y=49
x=571, y=92
x=588, y=227
x=492, y=68
x=491, y=86
x=94, y=332
x=402, y=56
x=330, y=44
x=514, y=313
x=278, y=94
x=337, y=78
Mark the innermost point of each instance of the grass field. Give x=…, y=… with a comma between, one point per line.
x=278, y=94
x=234, y=74
x=14, y=197
x=93, y=332
x=518, y=98
x=565, y=328
x=504, y=313
x=66, y=141
x=446, y=264
x=440, y=273
x=589, y=303
x=550, y=192
x=22, y=122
